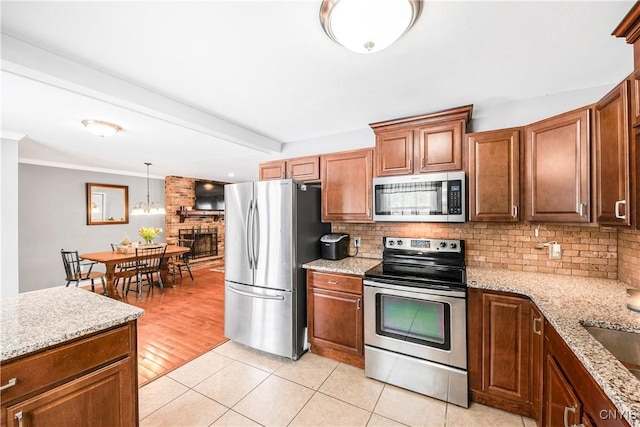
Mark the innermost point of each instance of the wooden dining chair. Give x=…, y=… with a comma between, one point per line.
x=148, y=262
x=181, y=261
x=125, y=266
x=74, y=270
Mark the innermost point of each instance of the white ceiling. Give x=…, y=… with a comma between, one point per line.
x=205, y=88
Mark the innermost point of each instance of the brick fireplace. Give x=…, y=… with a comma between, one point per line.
x=208, y=231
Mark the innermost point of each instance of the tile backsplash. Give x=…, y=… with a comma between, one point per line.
x=586, y=251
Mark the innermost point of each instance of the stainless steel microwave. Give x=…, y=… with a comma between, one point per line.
x=433, y=197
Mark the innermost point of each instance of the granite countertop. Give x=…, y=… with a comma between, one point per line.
x=568, y=303
x=35, y=320
x=348, y=265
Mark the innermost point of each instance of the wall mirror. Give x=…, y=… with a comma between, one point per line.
x=107, y=204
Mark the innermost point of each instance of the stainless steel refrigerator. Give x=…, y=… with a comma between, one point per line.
x=271, y=229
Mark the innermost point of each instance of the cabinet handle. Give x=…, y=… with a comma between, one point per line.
x=358, y=304
x=410, y=164
x=422, y=162
x=618, y=203
x=18, y=416
x=568, y=409
x=537, y=320
x=9, y=384
x=583, y=209
x=514, y=211
x=332, y=282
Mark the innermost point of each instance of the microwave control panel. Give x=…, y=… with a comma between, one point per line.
x=455, y=197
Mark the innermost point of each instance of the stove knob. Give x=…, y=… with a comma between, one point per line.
x=453, y=245
x=399, y=242
x=443, y=244
x=390, y=242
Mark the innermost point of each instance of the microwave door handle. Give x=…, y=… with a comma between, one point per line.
x=445, y=199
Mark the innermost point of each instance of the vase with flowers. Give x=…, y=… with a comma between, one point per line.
x=149, y=233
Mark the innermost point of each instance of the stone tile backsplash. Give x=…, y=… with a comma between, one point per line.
x=586, y=251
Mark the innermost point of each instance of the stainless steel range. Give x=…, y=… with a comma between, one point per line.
x=415, y=325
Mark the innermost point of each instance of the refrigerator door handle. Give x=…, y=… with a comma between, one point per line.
x=256, y=234
x=252, y=295
x=249, y=234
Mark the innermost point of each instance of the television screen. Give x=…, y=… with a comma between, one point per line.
x=209, y=195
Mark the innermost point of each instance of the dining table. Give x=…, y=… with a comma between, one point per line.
x=112, y=258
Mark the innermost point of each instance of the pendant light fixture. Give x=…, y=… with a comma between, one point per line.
x=149, y=208
x=368, y=26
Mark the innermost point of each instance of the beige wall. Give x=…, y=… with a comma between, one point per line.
x=587, y=251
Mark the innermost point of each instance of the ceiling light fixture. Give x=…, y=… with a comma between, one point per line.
x=149, y=208
x=100, y=128
x=368, y=26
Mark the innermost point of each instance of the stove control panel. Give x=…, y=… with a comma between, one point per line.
x=422, y=245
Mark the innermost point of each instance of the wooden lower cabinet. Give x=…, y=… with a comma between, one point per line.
x=571, y=392
x=335, y=316
x=88, y=381
x=499, y=350
x=537, y=360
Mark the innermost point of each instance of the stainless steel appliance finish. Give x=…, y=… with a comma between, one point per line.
x=272, y=228
x=432, y=197
x=415, y=325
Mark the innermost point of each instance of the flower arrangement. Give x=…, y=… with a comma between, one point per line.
x=149, y=233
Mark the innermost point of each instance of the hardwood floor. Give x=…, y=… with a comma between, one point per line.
x=179, y=325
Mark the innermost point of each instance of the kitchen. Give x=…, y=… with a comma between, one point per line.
x=499, y=245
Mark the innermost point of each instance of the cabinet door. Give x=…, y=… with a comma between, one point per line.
x=273, y=170
x=635, y=98
x=346, y=186
x=537, y=360
x=440, y=147
x=505, y=328
x=557, y=167
x=335, y=321
x=305, y=169
x=394, y=152
x=612, y=157
x=562, y=406
x=101, y=398
x=499, y=356
x=494, y=175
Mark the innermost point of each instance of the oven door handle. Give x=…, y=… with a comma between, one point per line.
x=416, y=289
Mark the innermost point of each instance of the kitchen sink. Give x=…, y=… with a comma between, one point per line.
x=625, y=346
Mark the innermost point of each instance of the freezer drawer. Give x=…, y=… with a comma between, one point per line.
x=261, y=318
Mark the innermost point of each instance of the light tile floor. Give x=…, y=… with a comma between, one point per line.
x=233, y=385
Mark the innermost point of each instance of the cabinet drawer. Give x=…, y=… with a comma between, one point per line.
x=335, y=282
x=47, y=368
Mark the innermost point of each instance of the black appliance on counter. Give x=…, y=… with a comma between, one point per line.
x=335, y=246
x=415, y=318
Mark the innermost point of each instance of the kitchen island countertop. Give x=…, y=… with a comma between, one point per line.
x=569, y=303
x=348, y=265
x=32, y=321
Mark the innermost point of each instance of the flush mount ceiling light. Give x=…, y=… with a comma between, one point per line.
x=100, y=128
x=148, y=208
x=368, y=26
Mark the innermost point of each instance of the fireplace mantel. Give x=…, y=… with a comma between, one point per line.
x=193, y=213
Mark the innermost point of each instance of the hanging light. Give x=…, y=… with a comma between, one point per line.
x=149, y=208
x=368, y=26
x=101, y=128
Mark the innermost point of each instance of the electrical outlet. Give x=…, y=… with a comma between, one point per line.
x=555, y=251
x=356, y=242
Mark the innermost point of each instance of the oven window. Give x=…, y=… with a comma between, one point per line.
x=415, y=320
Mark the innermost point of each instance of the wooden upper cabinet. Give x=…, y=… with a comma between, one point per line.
x=440, y=147
x=346, y=186
x=612, y=157
x=305, y=169
x=557, y=168
x=635, y=98
x=273, y=170
x=427, y=143
x=494, y=175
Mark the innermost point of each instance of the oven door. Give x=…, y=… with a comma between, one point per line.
x=419, y=322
